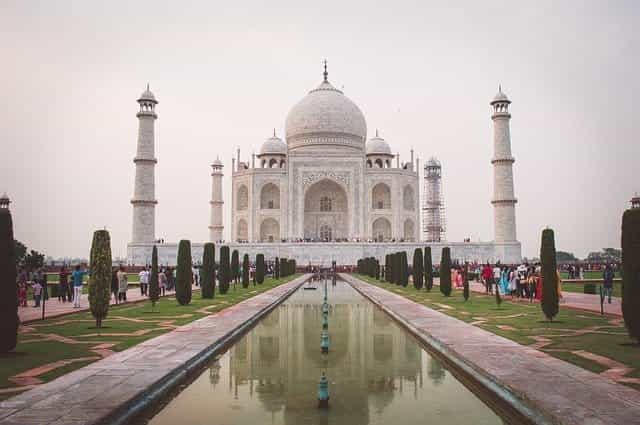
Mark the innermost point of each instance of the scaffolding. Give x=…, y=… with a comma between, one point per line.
x=433, y=212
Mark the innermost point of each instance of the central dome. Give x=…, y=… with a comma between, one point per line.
x=326, y=117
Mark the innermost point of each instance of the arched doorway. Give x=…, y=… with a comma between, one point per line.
x=409, y=230
x=269, y=230
x=326, y=211
x=381, y=230
x=242, y=231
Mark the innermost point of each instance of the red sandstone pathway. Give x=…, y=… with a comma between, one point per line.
x=54, y=308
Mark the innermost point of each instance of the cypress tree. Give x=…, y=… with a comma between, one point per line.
x=404, y=267
x=377, y=265
x=428, y=268
x=549, y=275
x=207, y=273
x=445, y=272
x=224, y=273
x=260, y=268
x=631, y=271
x=100, y=277
x=276, y=268
x=387, y=268
x=154, y=284
x=235, y=266
x=8, y=295
x=418, y=272
x=184, y=274
x=392, y=272
x=294, y=266
x=245, y=271
x=465, y=283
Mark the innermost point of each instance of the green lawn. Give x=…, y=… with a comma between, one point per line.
x=126, y=326
x=589, y=275
x=523, y=322
x=579, y=287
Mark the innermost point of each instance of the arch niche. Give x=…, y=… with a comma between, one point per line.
x=381, y=230
x=242, y=234
x=408, y=198
x=269, y=230
x=381, y=197
x=326, y=211
x=270, y=197
x=409, y=230
x=242, y=202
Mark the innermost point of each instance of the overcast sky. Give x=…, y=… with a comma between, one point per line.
x=226, y=73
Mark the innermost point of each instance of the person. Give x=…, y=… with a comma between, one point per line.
x=487, y=276
x=123, y=284
x=162, y=281
x=170, y=282
x=37, y=292
x=114, y=284
x=22, y=294
x=196, y=275
x=497, y=274
x=63, y=284
x=77, y=276
x=607, y=278
x=143, y=276
x=504, y=281
x=513, y=281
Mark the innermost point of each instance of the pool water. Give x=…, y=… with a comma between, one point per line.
x=378, y=373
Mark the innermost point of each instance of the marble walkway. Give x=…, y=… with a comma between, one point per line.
x=547, y=390
x=120, y=385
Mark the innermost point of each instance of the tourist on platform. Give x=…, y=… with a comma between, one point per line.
x=37, y=292
x=123, y=285
x=607, y=278
x=143, y=277
x=162, y=281
x=77, y=277
x=114, y=284
x=63, y=284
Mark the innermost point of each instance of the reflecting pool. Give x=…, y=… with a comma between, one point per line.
x=378, y=374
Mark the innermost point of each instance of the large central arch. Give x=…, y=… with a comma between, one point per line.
x=326, y=211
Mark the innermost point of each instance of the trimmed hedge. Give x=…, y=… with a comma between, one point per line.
x=245, y=271
x=8, y=294
x=100, y=277
x=154, y=284
x=224, y=275
x=260, y=268
x=428, y=268
x=276, y=268
x=184, y=273
x=445, y=272
x=235, y=266
x=418, y=268
x=207, y=273
x=631, y=271
x=550, y=303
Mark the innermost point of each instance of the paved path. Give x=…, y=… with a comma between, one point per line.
x=574, y=300
x=54, y=308
x=546, y=389
x=122, y=384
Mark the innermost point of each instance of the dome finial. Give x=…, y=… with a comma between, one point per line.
x=499, y=88
x=147, y=86
x=376, y=132
x=325, y=73
x=274, y=132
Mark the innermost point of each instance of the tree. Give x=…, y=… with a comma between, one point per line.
x=8, y=295
x=34, y=260
x=21, y=252
x=207, y=273
x=631, y=271
x=445, y=272
x=235, y=266
x=428, y=268
x=100, y=276
x=565, y=257
x=224, y=273
x=418, y=269
x=154, y=284
x=276, y=268
x=184, y=274
x=245, y=271
x=377, y=265
x=260, y=268
x=465, y=283
x=404, y=269
x=549, y=274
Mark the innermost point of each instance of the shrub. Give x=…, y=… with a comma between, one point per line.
x=549, y=275
x=8, y=295
x=245, y=271
x=100, y=277
x=207, y=273
x=184, y=274
x=224, y=274
x=428, y=268
x=235, y=266
x=404, y=269
x=589, y=288
x=445, y=272
x=418, y=272
x=465, y=283
x=377, y=269
x=260, y=268
x=631, y=271
x=276, y=268
x=154, y=284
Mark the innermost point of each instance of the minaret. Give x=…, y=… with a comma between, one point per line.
x=504, y=200
x=216, y=227
x=144, y=192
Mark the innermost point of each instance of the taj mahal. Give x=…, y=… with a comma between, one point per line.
x=325, y=193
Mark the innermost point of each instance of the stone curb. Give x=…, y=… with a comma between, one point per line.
x=505, y=395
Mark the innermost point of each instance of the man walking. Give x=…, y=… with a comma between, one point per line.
x=144, y=281
x=607, y=277
x=76, y=277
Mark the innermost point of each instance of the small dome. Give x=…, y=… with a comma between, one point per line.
x=378, y=146
x=273, y=146
x=147, y=95
x=217, y=162
x=500, y=97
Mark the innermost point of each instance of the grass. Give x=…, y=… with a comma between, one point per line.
x=123, y=320
x=522, y=322
x=579, y=287
x=589, y=275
